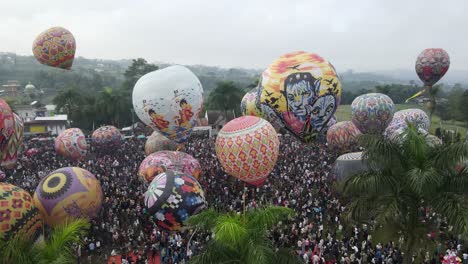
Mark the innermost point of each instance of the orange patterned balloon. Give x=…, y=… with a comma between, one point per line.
x=71, y=143
x=55, y=47
x=10, y=156
x=247, y=148
x=343, y=136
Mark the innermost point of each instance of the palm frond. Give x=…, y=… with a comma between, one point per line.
x=206, y=220
x=370, y=182
x=216, y=253
x=268, y=216
x=448, y=156
x=17, y=250
x=424, y=181
x=378, y=152
x=454, y=207
x=414, y=146
x=258, y=253
x=230, y=231
x=287, y=256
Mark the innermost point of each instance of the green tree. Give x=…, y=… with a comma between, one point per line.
x=112, y=105
x=56, y=248
x=138, y=68
x=68, y=101
x=226, y=96
x=403, y=176
x=243, y=238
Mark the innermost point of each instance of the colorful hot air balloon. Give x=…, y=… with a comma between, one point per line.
x=71, y=143
x=106, y=138
x=162, y=161
x=415, y=116
x=431, y=65
x=55, y=47
x=172, y=198
x=18, y=215
x=7, y=125
x=347, y=165
x=169, y=100
x=157, y=142
x=247, y=148
x=68, y=193
x=303, y=91
x=249, y=104
x=10, y=156
x=343, y=136
x=371, y=113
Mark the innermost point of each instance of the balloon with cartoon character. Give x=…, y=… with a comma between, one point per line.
x=10, y=156
x=55, y=47
x=170, y=101
x=303, y=91
x=371, y=113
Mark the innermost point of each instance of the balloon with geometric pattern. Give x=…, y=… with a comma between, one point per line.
x=301, y=90
x=55, y=47
x=415, y=116
x=71, y=144
x=107, y=138
x=371, y=113
x=7, y=125
x=157, y=142
x=68, y=193
x=343, y=136
x=10, y=156
x=173, y=197
x=431, y=65
x=247, y=148
x=162, y=161
x=18, y=214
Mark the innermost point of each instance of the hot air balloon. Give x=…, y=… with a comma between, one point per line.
x=7, y=125
x=414, y=116
x=55, y=47
x=371, y=113
x=169, y=101
x=157, y=142
x=10, y=156
x=247, y=148
x=347, y=165
x=71, y=143
x=68, y=193
x=18, y=215
x=173, y=197
x=248, y=104
x=162, y=161
x=303, y=91
x=343, y=136
x=106, y=138
x=431, y=65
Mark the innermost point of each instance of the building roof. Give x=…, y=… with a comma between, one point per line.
x=53, y=118
x=50, y=107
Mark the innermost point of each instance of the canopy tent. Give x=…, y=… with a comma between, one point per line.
x=347, y=165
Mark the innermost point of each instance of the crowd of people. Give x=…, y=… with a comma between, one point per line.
x=301, y=180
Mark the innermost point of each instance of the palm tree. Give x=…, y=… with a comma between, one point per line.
x=403, y=176
x=56, y=248
x=68, y=101
x=242, y=238
x=432, y=104
x=226, y=96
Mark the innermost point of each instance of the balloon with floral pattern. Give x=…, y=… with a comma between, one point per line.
x=371, y=113
x=55, y=47
x=71, y=143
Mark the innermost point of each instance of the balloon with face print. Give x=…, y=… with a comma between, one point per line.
x=169, y=101
x=303, y=91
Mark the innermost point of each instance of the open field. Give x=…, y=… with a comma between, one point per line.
x=344, y=113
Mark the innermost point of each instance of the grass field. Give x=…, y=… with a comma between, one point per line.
x=344, y=114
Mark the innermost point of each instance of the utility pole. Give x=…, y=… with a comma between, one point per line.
x=133, y=121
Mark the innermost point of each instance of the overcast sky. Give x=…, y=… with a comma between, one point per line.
x=353, y=34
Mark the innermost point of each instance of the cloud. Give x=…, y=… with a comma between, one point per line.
x=361, y=34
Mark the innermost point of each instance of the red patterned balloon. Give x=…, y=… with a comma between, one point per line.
x=247, y=148
x=107, y=137
x=7, y=125
x=10, y=156
x=343, y=136
x=162, y=161
x=431, y=65
x=71, y=143
x=55, y=47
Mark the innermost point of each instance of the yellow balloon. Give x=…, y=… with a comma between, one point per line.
x=303, y=91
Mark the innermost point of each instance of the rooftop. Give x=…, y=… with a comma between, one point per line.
x=53, y=118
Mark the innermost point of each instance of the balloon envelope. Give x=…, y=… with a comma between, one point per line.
x=248, y=104
x=10, y=156
x=247, y=148
x=68, y=193
x=7, y=125
x=157, y=142
x=415, y=116
x=55, y=47
x=71, y=143
x=162, y=161
x=303, y=91
x=431, y=65
x=371, y=113
x=347, y=165
x=107, y=138
x=18, y=215
x=172, y=198
x=343, y=136
x=169, y=100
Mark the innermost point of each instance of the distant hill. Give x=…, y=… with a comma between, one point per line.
x=91, y=75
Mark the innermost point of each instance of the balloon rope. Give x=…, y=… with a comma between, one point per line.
x=417, y=94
